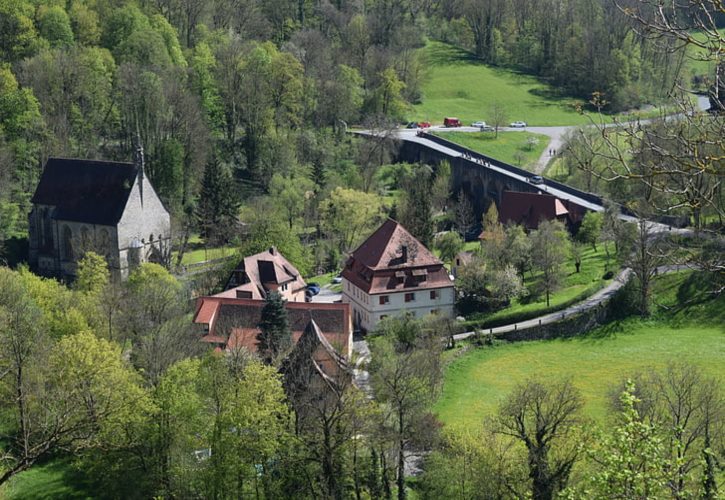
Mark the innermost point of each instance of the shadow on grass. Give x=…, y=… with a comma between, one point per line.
x=444, y=55
x=54, y=479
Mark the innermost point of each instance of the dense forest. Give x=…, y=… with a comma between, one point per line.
x=243, y=109
x=246, y=102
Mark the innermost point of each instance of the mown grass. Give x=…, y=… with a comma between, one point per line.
x=575, y=287
x=458, y=84
x=509, y=147
x=54, y=479
x=196, y=252
x=699, y=61
x=476, y=382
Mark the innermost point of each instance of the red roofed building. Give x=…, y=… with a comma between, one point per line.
x=230, y=323
x=264, y=272
x=528, y=209
x=392, y=273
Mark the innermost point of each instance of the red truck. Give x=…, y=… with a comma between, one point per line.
x=451, y=122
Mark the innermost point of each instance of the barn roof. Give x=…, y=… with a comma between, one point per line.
x=90, y=191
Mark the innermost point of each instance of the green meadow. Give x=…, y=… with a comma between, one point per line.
x=477, y=381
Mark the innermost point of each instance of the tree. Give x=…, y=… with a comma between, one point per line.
x=518, y=248
x=465, y=218
x=347, y=215
x=88, y=397
x=643, y=252
x=54, y=25
x=549, y=249
x=291, y=194
x=506, y=285
x=449, y=244
x=249, y=425
x=577, y=252
x=155, y=321
x=497, y=116
x=631, y=459
x=92, y=274
x=217, y=206
x=591, y=229
x=415, y=207
x=543, y=417
x=275, y=336
x=405, y=373
x=686, y=410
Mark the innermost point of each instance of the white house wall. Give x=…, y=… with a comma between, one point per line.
x=369, y=311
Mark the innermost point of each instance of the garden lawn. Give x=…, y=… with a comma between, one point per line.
x=509, y=147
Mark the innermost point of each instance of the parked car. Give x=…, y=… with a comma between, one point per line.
x=450, y=121
x=313, y=288
x=518, y=125
x=478, y=124
x=536, y=179
x=412, y=125
x=337, y=279
x=487, y=128
x=424, y=125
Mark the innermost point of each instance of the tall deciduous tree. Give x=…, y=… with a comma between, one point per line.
x=591, y=229
x=543, y=418
x=349, y=214
x=549, y=250
x=449, y=244
x=405, y=374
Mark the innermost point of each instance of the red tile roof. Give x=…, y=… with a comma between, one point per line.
x=233, y=322
x=384, y=249
x=391, y=259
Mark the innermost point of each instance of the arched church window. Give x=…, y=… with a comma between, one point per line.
x=67, y=243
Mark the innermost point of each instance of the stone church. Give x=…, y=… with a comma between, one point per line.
x=106, y=207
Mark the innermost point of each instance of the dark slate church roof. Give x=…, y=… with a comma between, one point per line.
x=86, y=190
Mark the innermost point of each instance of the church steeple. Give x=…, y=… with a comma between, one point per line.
x=139, y=162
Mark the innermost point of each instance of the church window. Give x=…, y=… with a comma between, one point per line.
x=67, y=243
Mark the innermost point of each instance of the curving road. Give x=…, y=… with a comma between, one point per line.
x=599, y=298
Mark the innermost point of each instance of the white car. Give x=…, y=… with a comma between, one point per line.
x=478, y=124
x=518, y=125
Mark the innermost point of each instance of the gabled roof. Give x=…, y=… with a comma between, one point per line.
x=89, y=191
x=529, y=209
x=265, y=268
x=236, y=321
x=384, y=249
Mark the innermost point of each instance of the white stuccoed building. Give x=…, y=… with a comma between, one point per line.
x=392, y=273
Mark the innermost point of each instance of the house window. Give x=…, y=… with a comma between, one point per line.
x=410, y=297
x=433, y=294
x=384, y=299
x=383, y=316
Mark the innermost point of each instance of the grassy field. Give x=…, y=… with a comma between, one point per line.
x=695, y=56
x=509, y=147
x=575, y=286
x=476, y=382
x=55, y=479
x=458, y=84
x=196, y=252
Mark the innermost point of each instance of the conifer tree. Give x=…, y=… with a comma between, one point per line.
x=275, y=334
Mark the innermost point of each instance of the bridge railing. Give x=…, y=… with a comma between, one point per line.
x=590, y=197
